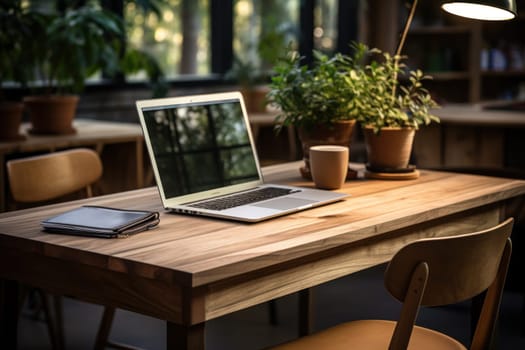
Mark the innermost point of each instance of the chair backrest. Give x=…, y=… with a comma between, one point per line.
x=446, y=270
x=50, y=176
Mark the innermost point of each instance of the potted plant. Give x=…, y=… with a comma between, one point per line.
x=16, y=23
x=67, y=48
x=314, y=99
x=388, y=108
x=250, y=79
x=252, y=72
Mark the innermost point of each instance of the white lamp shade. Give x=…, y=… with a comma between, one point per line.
x=490, y=10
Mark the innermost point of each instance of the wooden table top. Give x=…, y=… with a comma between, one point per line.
x=196, y=251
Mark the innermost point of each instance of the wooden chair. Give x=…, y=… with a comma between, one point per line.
x=430, y=272
x=50, y=176
x=44, y=178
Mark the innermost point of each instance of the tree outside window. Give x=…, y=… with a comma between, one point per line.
x=178, y=35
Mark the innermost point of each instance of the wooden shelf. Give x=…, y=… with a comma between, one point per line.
x=440, y=30
x=440, y=76
x=445, y=76
x=504, y=73
x=449, y=48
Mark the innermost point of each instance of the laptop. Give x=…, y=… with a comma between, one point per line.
x=205, y=162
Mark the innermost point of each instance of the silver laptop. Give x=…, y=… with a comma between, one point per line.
x=205, y=163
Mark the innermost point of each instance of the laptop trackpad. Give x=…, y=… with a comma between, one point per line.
x=284, y=203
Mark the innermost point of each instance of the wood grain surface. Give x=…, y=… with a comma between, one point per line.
x=191, y=269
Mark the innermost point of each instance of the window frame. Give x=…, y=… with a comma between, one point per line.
x=221, y=37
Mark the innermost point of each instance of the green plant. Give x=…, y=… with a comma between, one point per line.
x=309, y=96
x=75, y=45
x=261, y=55
x=68, y=48
x=244, y=72
x=16, y=25
x=382, y=99
x=135, y=61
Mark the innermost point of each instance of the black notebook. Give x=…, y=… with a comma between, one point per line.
x=96, y=221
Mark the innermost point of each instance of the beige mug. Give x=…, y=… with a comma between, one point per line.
x=328, y=166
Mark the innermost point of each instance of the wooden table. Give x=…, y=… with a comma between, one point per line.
x=120, y=146
x=193, y=269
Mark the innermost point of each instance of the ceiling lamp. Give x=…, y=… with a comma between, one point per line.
x=489, y=10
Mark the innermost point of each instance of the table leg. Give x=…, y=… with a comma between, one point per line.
x=184, y=337
x=3, y=184
x=105, y=328
x=8, y=314
x=305, y=312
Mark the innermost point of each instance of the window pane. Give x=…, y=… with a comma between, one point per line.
x=262, y=30
x=179, y=38
x=325, y=26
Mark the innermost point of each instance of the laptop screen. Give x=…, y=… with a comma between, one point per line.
x=200, y=146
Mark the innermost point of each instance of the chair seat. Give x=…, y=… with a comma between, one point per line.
x=370, y=335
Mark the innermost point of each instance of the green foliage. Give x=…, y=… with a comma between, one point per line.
x=260, y=56
x=381, y=99
x=77, y=45
x=135, y=61
x=276, y=34
x=364, y=86
x=153, y=6
x=244, y=72
x=60, y=51
x=309, y=96
x=16, y=25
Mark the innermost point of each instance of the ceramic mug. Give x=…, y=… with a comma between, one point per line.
x=329, y=165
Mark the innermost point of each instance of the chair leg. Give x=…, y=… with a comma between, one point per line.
x=523, y=316
x=59, y=321
x=51, y=326
x=272, y=310
x=9, y=312
x=306, y=308
x=105, y=328
x=34, y=302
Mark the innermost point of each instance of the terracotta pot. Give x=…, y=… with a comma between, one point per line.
x=340, y=134
x=10, y=120
x=390, y=149
x=51, y=114
x=255, y=98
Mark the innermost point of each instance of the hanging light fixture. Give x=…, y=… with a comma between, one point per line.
x=489, y=10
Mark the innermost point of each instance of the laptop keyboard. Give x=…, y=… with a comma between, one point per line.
x=243, y=198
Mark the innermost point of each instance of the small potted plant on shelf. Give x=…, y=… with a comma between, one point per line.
x=315, y=99
x=252, y=71
x=251, y=82
x=66, y=50
x=16, y=23
x=390, y=103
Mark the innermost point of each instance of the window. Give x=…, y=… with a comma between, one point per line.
x=194, y=39
x=262, y=31
x=325, y=26
x=178, y=36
